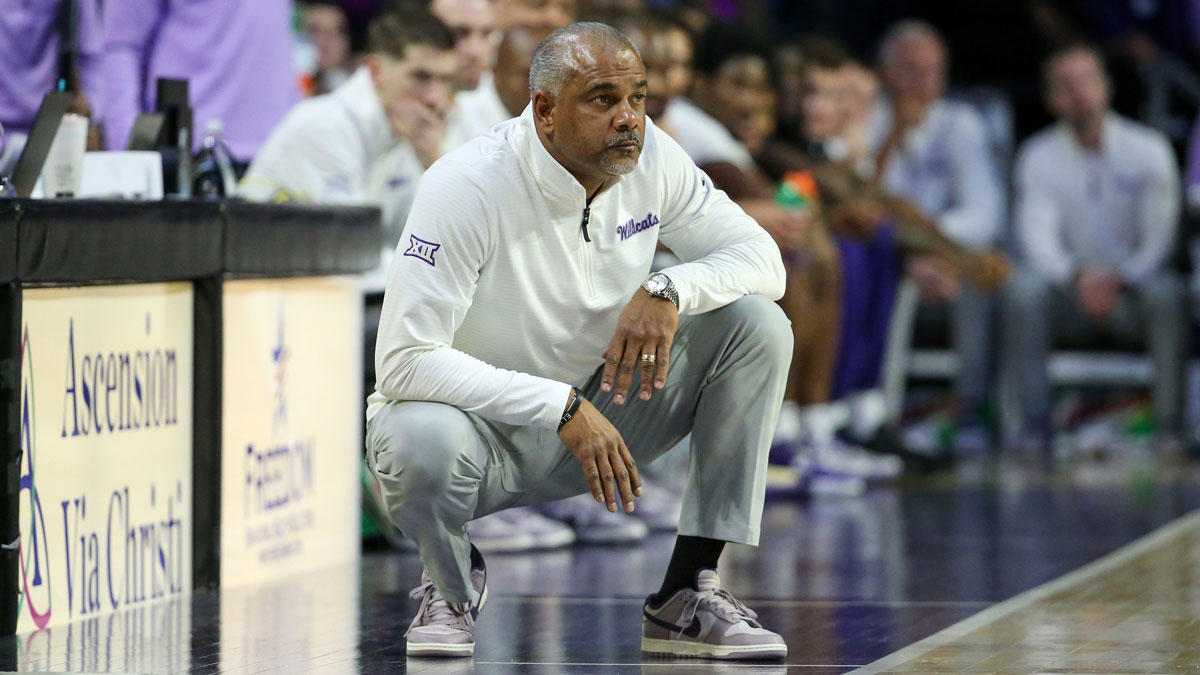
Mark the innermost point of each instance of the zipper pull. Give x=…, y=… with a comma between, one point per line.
x=587, y=215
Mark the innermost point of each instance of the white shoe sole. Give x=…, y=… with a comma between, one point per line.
x=441, y=649
x=655, y=647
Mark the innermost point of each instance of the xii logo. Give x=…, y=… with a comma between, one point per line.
x=422, y=250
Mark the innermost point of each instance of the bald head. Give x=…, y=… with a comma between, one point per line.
x=909, y=33
x=571, y=50
x=914, y=57
x=512, y=65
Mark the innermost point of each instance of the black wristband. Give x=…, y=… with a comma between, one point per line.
x=572, y=407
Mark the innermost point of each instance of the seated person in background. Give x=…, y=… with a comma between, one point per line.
x=326, y=148
x=473, y=23
x=729, y=123
x=1096, y=220
x=325, y=24
x=435, y=131
x=936, y=153
x=719, y=102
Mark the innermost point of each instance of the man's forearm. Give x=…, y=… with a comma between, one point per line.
x=446, y=375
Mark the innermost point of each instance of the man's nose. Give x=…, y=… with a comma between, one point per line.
x=436, y=95
x=626, y=117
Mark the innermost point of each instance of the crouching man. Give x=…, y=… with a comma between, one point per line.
x=526, y=353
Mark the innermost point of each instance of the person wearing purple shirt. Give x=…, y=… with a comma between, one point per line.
x=29, y=52
x=235, y=54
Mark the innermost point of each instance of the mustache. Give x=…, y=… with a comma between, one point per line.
x=625, y=137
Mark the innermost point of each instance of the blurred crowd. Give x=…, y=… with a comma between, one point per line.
x=1029, y=172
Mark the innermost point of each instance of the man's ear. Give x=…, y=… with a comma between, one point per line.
x=543, y=111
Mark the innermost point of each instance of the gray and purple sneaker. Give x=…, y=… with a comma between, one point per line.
x=444, y=628
x=708, y=623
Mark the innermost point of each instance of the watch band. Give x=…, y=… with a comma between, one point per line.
x=572, y=407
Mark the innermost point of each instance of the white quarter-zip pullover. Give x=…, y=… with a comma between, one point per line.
x=497, y=302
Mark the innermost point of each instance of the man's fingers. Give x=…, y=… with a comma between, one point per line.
x=625, y=372
x=635, y=480
x=662, y=365
x=648, y=366
x=608, y=481
x=624, y=488
x=612, y=358
x=592, y=473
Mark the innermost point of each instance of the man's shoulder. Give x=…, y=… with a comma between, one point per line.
x=321, y=117
x=1134, y=136
x=961, y=117
x=1047, y=141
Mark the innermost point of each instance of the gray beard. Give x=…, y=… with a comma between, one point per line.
x=618, y=167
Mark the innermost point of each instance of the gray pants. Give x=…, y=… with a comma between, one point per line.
x=440, y=467
x=1151, y=314
x=971, y=334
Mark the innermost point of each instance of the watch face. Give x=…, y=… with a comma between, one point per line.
x=655, y=285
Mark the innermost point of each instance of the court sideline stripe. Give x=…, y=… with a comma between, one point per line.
x=1020, y=601
x=720, y=666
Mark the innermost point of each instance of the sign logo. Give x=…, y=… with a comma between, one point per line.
x=422, y=250
x=32, y=551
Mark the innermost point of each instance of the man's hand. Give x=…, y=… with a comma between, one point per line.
x=934, y=277
x=1098, y=292
x=421, y=126
x=786, y=226
x=646, y=327
x=606, y=462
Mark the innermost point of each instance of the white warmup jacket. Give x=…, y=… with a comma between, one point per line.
x=496, y=301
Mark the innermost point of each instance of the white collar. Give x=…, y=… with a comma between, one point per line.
x=552, y=177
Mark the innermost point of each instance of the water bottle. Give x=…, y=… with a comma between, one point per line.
x=213, y=176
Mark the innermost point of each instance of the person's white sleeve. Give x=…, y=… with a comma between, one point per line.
x=1157, y=213
x=445, y=245
x=974, y=220
x=309, y=158
x=726, y=253
x=1039, y=221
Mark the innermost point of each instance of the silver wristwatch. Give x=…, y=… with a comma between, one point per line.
x=659, y=285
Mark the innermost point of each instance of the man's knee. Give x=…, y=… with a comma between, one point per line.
x=418, y=446
x=763, y=323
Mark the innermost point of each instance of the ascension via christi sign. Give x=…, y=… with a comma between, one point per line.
x=106, y=442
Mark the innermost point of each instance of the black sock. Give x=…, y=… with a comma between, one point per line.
x=691, y=555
